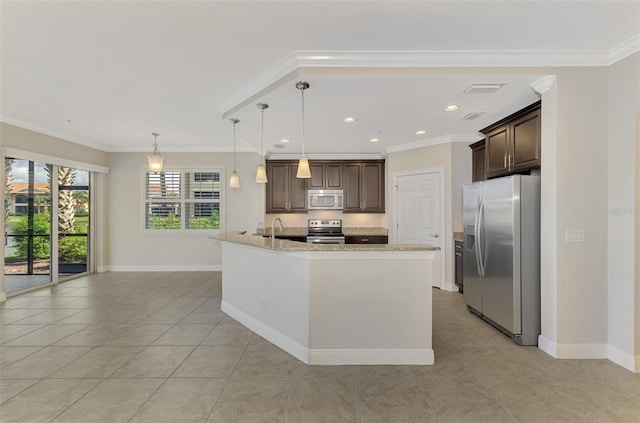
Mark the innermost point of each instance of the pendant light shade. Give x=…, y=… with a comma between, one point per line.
x=304, y=171
x=234, y=181
x=155, y=161
x=261, y=172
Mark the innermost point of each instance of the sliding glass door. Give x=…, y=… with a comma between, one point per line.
x=27, y=253
x=43, y=204
x=73, y=221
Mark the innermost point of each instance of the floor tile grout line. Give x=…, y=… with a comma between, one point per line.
x=355, y=387
x=226, y=384
x=148, y=399
x=4, y=400
x=79, y=398
x=286, y=407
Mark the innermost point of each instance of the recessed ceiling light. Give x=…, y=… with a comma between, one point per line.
x=451, y=108
x=349, y=119
x=285, y=140
x=374, y=140
x=421, y=132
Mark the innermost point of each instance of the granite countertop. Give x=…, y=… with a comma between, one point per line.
x=347, y=231
x=285, y=245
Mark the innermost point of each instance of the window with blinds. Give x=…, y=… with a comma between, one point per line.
x=182, y=201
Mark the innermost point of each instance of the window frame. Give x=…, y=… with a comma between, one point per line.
x=183, y=201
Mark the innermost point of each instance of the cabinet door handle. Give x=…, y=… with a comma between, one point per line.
x=364, y=239
x=505, y=161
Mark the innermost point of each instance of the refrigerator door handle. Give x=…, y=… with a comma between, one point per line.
x=476, y=234
x=479, y=240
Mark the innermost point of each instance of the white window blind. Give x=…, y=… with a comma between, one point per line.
x=183, y=201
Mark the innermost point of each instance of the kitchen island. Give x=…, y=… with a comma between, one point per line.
x=332, y=304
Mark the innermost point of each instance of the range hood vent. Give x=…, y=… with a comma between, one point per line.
x=472, y=116
x=483, y=88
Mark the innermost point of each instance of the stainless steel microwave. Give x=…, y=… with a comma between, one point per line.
x=325, y=199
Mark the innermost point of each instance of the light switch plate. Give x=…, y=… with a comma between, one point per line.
x=574, y=235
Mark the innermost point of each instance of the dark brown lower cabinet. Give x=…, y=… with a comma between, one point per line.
x=365, y=239
x=459, y=265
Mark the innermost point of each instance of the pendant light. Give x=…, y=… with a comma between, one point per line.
x=303, y=164
x=234, y=182
x=155, y=161
x=261, y=173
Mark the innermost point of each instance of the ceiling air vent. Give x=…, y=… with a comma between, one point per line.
x=472, y=116
x=278, y=146
x=483, y=88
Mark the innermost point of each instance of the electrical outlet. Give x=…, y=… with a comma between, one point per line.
x=574, y=235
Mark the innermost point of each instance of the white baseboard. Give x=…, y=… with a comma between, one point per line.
x=547, y=345
x=289, y=345
x=575, y=351
x=624, y=359
x=371, y=356
x=163, y=268
x=330, y=356
x=450, y=286
x=3, y=297
x=101, y=269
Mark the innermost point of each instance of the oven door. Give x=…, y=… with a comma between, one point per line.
x=319, y=239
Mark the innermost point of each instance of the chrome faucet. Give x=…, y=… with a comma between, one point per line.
x=273, y=226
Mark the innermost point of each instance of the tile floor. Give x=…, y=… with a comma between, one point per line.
x=155, y=347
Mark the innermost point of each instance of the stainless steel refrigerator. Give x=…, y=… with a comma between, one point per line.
x=502, y=254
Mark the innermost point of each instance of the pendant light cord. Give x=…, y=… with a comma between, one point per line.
x=262, y=138
x=302, y=91
x=235, y=166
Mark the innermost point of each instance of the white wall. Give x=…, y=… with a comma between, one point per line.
x=129, y=248
x=581, y=185
x=623, y=185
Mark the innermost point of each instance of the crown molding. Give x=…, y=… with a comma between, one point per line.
x=328, y=156
x=624, y=49
x=15, y=122
x=274, y=74
x=451, y=58
x=543, y=84
x=463, y=138
x=297, y=60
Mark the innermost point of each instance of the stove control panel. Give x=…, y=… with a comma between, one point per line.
x=325, y=223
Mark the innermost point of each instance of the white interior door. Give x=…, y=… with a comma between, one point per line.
x=418, y=219
x=419, y=209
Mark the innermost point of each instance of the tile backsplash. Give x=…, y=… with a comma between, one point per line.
x=359, y=220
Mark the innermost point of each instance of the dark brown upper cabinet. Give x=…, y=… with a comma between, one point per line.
x=478, y=161
x=363, y=184
x=285, y=193
x=325, y=175
x=512, y=145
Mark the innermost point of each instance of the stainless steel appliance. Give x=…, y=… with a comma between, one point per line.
x=502, y=254
x=325, y=199
x=325, y=231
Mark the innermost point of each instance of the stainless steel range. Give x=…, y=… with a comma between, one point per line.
x=325, y=231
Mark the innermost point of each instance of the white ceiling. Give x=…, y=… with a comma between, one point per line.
x=108, y=73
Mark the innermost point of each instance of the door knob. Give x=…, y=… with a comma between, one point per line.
x=434, y=235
